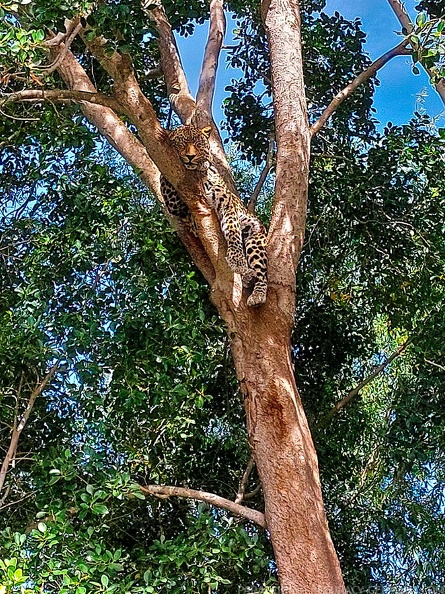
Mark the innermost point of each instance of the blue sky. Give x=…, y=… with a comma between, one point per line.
x=400, y=92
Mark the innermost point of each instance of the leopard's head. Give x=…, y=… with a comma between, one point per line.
x=192, y=145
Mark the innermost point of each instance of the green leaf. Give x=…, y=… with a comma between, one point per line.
x=421, y=19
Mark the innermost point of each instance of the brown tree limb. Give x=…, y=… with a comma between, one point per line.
x=163, y=491
x=177, y=87
x=404, y=19
x=243, y=483
x=398, y=50
x=18, y=427
x=377, y=371
x=282, y=24
x=60, y=95
x=217, y=30
x=251, y=205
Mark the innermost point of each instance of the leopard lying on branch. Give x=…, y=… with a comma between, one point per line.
x=244, y=233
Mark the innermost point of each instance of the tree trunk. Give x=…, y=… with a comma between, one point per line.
x=283, y=448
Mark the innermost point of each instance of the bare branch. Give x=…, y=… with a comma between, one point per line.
x=217, y=29
x=243, y=483
x=265, y=172
x=164, y=492
x=359, y=80
x=18, y=427
x=60, y=95
x=377, y=371
x=177, y=87
x=405, y=21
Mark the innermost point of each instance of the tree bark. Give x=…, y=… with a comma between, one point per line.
x=282, y=447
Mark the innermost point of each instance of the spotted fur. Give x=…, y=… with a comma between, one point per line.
x=244, y=233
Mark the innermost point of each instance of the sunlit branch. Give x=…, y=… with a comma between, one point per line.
x=399, y=50
x=217, y=29
x=20, y=425
x=243, y=483
x=264, y=173
x=60, y=95
x=177, y=88
x=405, y=21
x=163, y=492
x=377, y=371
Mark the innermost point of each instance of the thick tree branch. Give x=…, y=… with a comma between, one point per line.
x=238, y=510
x=177, y=88
x=282, y=23
x=377, y=371
x=359, y=80
x=18, y=427
x=108, y=123
x=217, y=30
x=405, y=21
x=60, y=95
x=265, y=172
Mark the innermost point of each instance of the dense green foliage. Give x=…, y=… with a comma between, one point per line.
x=92, y=277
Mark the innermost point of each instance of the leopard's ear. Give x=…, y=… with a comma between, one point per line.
x=207, y=131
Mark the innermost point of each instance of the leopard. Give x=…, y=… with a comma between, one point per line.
x=243, y=232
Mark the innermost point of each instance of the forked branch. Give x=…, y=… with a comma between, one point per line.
x=398, y=50
x=243, y=483
x=163, y=492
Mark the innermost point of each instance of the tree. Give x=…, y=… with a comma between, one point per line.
x=121, y=104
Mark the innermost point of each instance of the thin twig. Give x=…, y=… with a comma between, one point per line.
x=265, y=172
x=252, y=494
x=11, y=503
x=163, y=492
x=398, y=50
x=344, y=401
x=18, y=428
x=435, y=364
x=243, y=483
